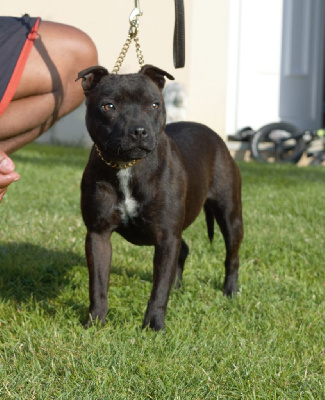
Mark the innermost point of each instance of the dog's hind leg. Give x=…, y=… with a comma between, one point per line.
x=229, y=219
x=233, y=235
x=209, y=219
x=183, y=253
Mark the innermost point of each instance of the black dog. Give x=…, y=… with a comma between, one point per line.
x=149, y=183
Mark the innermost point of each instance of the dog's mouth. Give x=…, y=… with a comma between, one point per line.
x=136, y=153
x=124, y=158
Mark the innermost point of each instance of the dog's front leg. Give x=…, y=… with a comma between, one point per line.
x=165, y=263
x=99, y=255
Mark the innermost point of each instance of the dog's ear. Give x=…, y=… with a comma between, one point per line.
x=91, y=76
x=157, y=75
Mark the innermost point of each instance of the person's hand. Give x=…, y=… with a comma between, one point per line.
x=7, y=173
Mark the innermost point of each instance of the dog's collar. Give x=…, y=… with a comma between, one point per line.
x=115, y=164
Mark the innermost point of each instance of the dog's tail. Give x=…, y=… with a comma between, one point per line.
x=209, y=218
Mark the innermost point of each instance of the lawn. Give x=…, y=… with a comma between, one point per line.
x=266, y=343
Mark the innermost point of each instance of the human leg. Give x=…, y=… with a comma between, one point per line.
x=47, y=90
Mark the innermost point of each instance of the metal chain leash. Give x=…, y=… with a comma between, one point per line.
x=139, y=51
x=133, y=35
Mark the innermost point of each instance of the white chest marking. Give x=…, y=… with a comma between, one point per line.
x=128, y=206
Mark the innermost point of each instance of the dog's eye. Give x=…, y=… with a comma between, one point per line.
x=108, y=107
x=154, y=106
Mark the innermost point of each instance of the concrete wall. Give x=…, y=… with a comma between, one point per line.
x=107, y=22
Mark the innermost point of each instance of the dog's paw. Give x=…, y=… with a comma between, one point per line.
x=230, y=287
x=155, y=319
x=90, y=321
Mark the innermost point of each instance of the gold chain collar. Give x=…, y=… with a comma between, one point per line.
x=114, y=164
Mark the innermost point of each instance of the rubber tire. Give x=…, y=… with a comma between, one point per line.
x=318, y=159
x=262, y=135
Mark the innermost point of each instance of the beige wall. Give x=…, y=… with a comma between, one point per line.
x=207, y=62
x=106, y=21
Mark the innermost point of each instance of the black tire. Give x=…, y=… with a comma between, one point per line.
x=318, y=159
x=276, y=142
x=243, y=135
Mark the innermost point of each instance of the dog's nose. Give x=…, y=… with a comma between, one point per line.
x=138, y=132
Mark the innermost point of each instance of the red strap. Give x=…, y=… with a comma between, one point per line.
x=19, y=68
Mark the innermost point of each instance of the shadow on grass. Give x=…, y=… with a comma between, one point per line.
x=214, y=283
x=130, y=273
x=32, y=271
x=27, y=269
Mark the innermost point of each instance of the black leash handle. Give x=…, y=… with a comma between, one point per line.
x=179, y=35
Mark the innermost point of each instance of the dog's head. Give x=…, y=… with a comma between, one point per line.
x=125, y=113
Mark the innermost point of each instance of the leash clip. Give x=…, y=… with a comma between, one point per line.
x=134, y=19
x=132, y=36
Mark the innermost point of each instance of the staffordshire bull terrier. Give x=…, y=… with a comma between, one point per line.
x=148, y=182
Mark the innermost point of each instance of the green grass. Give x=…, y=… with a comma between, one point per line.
x=266, y=343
